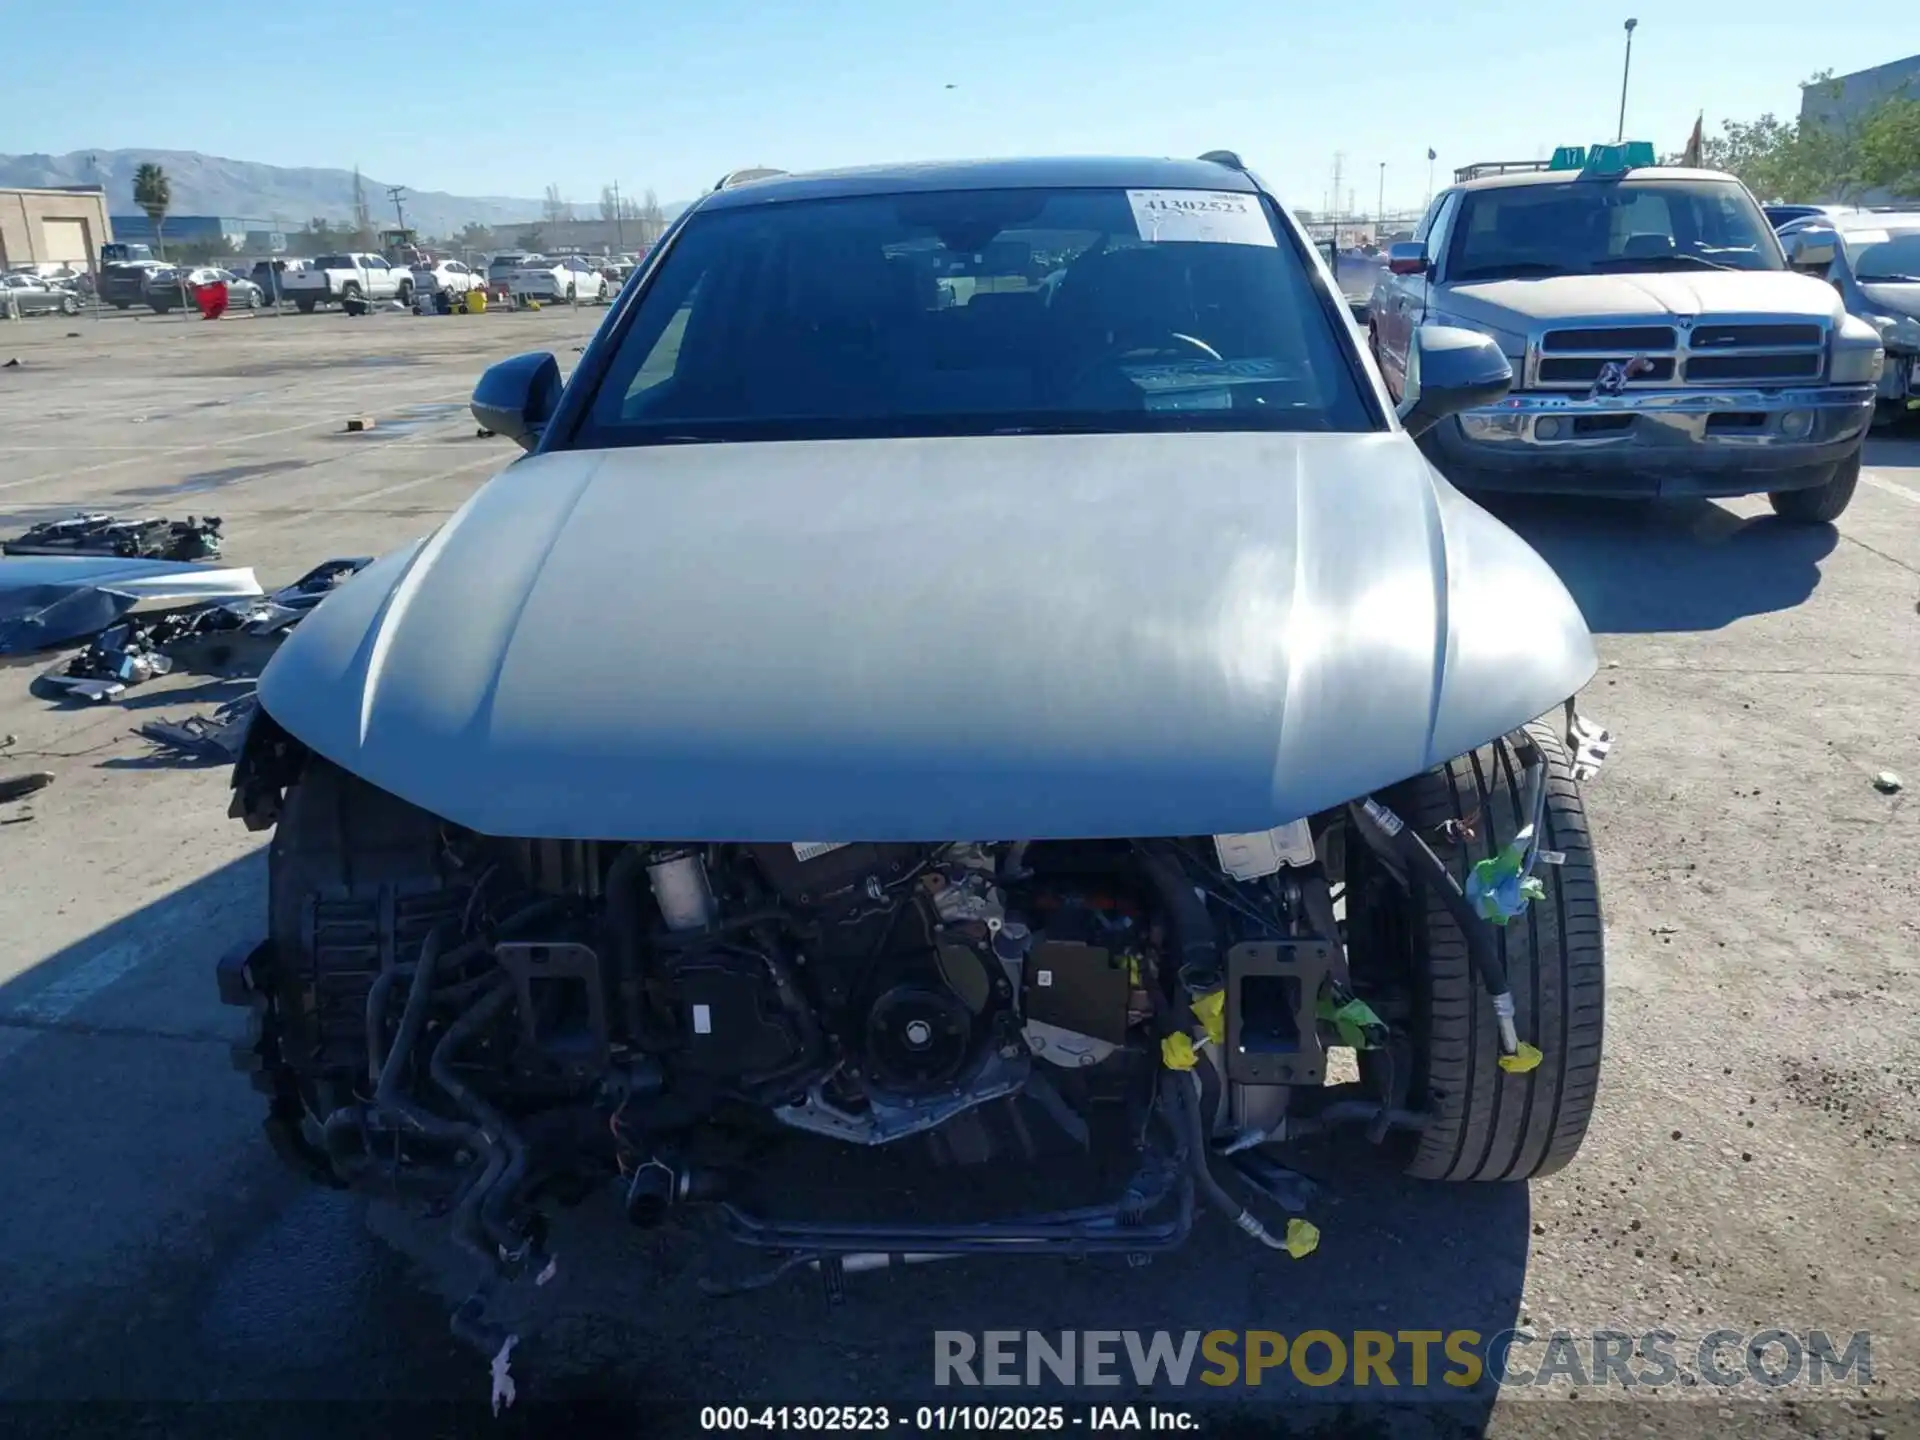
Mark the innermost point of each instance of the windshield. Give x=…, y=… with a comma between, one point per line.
x=1586, y=227
x=334, y=262
x=1883, y=255
x=978, y=312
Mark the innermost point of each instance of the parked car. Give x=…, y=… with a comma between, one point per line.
x=547, y=279
x=31, y=295
x=1779, y=216
x=448, y=277
x=500, y=273
x=1873, y=259
x=175, y=287
x=271, y=276
x=970, y=757
x=333, y=278
x=1660, y=343
x=123, y=283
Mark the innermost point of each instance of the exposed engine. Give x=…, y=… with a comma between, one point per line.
x=499, y=1023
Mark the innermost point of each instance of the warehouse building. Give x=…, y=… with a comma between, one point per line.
x=1847, y=97
x=66, y=226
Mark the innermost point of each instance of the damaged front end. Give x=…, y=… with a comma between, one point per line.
x=499, y=1025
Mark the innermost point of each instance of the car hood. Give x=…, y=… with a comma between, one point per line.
x=979, y=638
x=1893, y=297
x=1681, y=294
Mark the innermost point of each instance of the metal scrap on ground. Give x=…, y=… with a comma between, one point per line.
x=51, y=600
x=201, y=737
x=102, y=534
x=228, y=638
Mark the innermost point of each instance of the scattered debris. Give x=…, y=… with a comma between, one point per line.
x=236, y=637
x=119, y=656
x=18, y=787
x=13, y=364
x=102, y=534
x=1888, y=783
x=200, y=737
x=53, y=600
x=359, y=424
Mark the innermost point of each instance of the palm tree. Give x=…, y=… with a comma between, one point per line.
x=154, y=194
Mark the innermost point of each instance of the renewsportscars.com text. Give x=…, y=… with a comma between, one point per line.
x=1461, y=1359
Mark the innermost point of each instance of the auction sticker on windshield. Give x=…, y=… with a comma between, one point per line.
x=1218, y=217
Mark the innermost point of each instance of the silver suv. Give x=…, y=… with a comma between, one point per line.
x=1660, y=344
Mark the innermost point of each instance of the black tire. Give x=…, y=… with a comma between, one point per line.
x=305, y=307
x=348, y=291
x=1488, y=1124
x=69, y=305
x=405, y=293
x=1819, y=504
x=571, y=295
x=123, y=304
x=253, y=300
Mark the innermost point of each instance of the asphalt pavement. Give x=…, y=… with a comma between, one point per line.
x=1752, y=1165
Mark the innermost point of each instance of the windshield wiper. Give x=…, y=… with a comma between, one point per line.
x=1659, y=262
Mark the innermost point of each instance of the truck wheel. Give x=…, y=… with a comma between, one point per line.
x=1487, y=1124
x=1820, y=504
x=305, y=307
x=405, y=293
x=350, y=290
x=123, y=304
x=572, y=294
x=69, y=305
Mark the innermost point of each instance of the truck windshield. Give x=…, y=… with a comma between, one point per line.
x=1883, y=256
x=978, y=312
x=1588, y=227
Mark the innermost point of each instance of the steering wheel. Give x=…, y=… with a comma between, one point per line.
x=1170, y=343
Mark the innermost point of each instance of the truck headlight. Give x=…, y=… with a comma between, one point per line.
x=1898, y=332
x=1858, y=353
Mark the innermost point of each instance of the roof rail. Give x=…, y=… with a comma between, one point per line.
x=742, y=177
x=1224, y=157
x=1499, y=167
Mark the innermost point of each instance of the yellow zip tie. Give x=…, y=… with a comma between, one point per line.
x=1211, y=1012
x=1177, y=1052
x=1303, y=1238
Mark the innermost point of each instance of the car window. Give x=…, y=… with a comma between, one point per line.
x=978, y=312
x=1425, y=227
x=1445, y=212
x=374, y=262
x=1883, y=256
x=1581, y=227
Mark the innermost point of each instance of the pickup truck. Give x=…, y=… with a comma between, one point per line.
x=1660, y=344
x=335, y=277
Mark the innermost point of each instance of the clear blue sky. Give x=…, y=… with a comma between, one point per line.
x=673, y=93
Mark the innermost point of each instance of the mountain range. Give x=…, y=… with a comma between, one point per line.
x=274, y=195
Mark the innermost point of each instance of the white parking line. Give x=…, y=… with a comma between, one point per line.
x=66, y=995
x=1912, y=497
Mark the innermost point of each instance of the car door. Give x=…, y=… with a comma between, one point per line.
x=380, y=279
x=1411, y=294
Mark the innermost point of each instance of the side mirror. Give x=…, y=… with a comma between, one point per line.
x=517, y=397
x=1407, y=258
x=1450, y=370
x=1811, y=252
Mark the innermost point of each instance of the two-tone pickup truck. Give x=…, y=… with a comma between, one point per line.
x=336, y=277
x=1660, y=343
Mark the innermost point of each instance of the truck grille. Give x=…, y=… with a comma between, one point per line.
x=1710, y=352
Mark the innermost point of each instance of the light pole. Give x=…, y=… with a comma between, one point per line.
x=1380, y=206
x=1626, y=69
